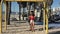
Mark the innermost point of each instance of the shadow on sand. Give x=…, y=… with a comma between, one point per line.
x=58, y=32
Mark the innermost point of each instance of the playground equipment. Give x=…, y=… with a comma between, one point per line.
x=46, y=4
x=0, y=16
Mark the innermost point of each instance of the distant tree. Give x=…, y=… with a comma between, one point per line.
x=24, y=4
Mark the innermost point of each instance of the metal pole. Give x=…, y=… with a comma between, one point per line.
x=46, y=20
x=5, y=18
x=1, y=17
x=44, y=16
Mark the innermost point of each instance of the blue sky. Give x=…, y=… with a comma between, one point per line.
x=55, y=3
x=15, y=7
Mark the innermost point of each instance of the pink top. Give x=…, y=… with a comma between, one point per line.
x=31, y=17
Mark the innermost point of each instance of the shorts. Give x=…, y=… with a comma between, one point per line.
x=31, y=21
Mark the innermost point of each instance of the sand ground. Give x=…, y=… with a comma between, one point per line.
x=23, y=28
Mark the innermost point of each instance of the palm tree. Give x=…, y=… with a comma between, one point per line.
x=49, y=3
x=8, y=9
x=19, y=10
x=24, y=4
x=9, y=12
x=6, y=12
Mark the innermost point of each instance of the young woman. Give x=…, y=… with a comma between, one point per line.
x=31, y=18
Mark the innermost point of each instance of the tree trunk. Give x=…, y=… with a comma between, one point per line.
x=19, y=11
x=9, y=12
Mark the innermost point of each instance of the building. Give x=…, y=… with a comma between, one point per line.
x=56, y=10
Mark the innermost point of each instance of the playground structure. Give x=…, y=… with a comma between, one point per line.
x=46, y=5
